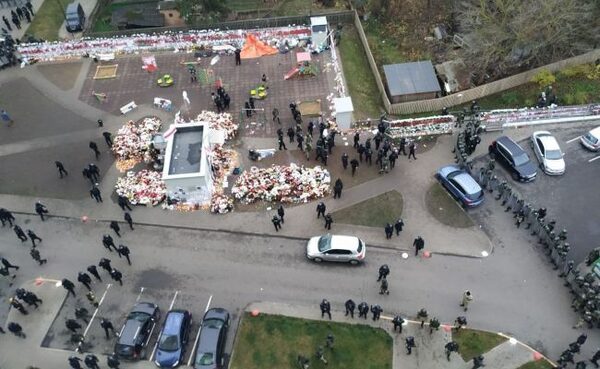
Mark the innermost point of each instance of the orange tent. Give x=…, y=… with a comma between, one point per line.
x=255, y=48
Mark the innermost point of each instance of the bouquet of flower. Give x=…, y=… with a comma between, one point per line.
x=144, y=187
x=132, y=143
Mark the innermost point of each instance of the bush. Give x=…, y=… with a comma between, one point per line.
x=576, y=71
x=544, y=78
x=581, y=97
x=510, y=98
x=594, y=72
x=569, y=98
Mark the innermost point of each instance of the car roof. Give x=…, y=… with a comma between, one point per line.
x=548, y=141
x=173, y=322
x=344, y=242
x=144, y=307
x=595, y=132
x=208, y=339
x=129, y=332
x=445, y=170
x=510, y=145
x=216, y=313
x=467, y=183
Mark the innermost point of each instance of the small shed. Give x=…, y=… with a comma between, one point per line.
x=411, y=81
x=318, y=30
x=343, y=111
x=170, y=12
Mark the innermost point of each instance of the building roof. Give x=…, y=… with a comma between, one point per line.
x=411, y=78
x=318, y=21
x=137, y=16
x=186, y=150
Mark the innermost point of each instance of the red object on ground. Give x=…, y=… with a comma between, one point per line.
x=426, y=254
x=39, y=281
x=446, y=328
x=255, y=48
x=254, y=313
x=291, y=73
x=537, y=356
x=84, y=218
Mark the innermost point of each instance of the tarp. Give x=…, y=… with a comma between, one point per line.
x=255, y=48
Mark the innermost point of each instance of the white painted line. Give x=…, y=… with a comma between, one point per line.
x=155, y=345
x=139, y=294
x=198, y=334
x=592, y=159
x=96, y=311
x=173, y=301
x=574, y=139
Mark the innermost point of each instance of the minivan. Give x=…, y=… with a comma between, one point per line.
x=75, y=17
x=514, y=158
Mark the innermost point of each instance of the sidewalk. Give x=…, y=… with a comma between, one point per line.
x=429, y=353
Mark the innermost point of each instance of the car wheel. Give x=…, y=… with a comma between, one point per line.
x=354, y=262
x=318, y=260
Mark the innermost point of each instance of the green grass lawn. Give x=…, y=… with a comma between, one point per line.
x=539, y=364
x=273, y=341
x=361, y=83
x=48, y=20
x=245, y=5
x=473, y=343
x=374, y=212
x=102, y=23
x=445, y=209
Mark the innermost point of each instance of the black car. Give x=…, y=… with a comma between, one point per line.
x=211, y=344
x=137, y=330
x=514, y=158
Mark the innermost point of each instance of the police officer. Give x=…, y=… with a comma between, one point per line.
x=61, y=169
x=376, y=310
x=20, y=234
x=16, y=329
x=115, y=227
x=325, y=308
x=112, y=362
x=389, y=231
x=410, y=343
x=83, y=314
x=350, y=305
x=33, y=237
x=321, y=209
x=328, y=221
x=6, y=216
x=69, y=286
x=363, y=310
x=122, y=201
x=450, y=348
x=422, y=316
x=398, y=321
x=117, y=276
x=384, y=271
x=108, y=138
x=108, y=242
x=337, y=188
x=460, y=322
x=595, y=358
x=92, y=145
x=32, y=299
x=74, y=362
x=85, y=279
x=434, y=324
x=345, y=161
x=276, y=222
x=383, y=289
x=91, y=361
x=281, y=213
x=478, y=362
x=354, y=165
x=124, y=251
x=72, y=325
x=35, y=255
x=418, y=244
x=94, y=171
x=17, y=305
x=398, y=226
x=128, y=219
x=107, y=326
x=94, y=271
x=105, y=264
x=95, y=193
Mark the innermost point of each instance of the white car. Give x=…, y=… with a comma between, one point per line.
x=548, y=153
x=591, y=140
x=347, y=249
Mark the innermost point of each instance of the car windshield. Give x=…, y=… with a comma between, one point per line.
x=139, y=316
x=168, y=343
x=521, y=159
x=212, y=323
x=124, y=349
x=553, y=154
x=474, y=196
x=590, y=137
x=205, y=358
x=325, y=243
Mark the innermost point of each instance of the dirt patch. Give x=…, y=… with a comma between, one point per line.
x=61, y=75
x=445, y=209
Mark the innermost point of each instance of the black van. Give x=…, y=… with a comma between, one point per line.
x=75, y=17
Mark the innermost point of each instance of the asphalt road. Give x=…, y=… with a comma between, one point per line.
x=515, y=292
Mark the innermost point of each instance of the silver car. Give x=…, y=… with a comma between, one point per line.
x=548, y=153
x=345, y=249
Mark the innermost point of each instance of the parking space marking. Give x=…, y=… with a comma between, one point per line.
x=139, y=294
x=96, y=311
x=198, y=334
x=592, y=159
x=574, y=139
x=156, y=344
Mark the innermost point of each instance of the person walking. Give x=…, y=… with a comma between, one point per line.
x=389, y=231
x=6, y=216
x=418, y=244
x=13, y=302
x=20, y=234
x=345, y=161
x=92, y=299
x=398, y=321
x=350, y=306
x=337, y=189
x=33, y=237
x=82, y=313
x=94, y=271
x=122, y=201
x=467, y=298
x=41, y=209
x=112, y=362
x=16, y=329
x=4, y=113
x=61, y=169
x=411, y=150
x=115, y=227
x=325, y=307
x=107, y=326
x=384, y=271
x=376, y=310
x=7, y=23
x=92, y=145
x=74, y=362
x=108, y=242
x=398, y=226
x=124, y=251
x=117, y=276
x=95, y=193
x=276, y=222
x=91, y=361
x=595, y=358
x=321, y=209
x=363, y=310
x=108, y=139
x=94, y=171
x=281, y=213
x=69, y=286
x=128, y=219
x=328, y=221
x=383, y=289
x=72, y=325
x=35, y=255
x=353, y=165
x=450, y=347
x=409, y=344
x=8, y=265
x=238, y=58
x=105, y=264
x=85, y=279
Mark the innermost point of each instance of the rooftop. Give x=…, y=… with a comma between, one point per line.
x=186, y=151
x=411, y=78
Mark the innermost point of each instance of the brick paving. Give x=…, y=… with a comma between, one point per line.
x=133, y=83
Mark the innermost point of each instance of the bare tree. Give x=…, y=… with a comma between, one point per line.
x=503, y=36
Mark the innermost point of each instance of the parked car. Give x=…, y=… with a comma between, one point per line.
x=591, y=140
x=514, y=158
x=74, y=17
x=137, y=330
x=173, y=339
x=548, y=153
x=211, y=344
x=348, y=249
x=461, y=185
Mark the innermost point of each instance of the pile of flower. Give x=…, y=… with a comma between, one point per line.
x=219, y=121
x=221, y=161
x=428, y=126
x=132, y=142
x=144, y=187
x=289, y=184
